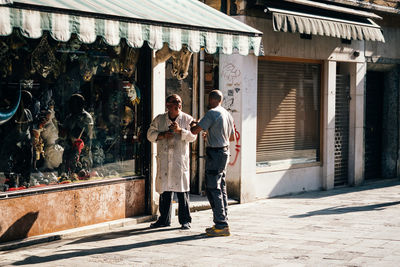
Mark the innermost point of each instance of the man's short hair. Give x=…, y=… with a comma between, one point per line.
x=174, y=98
x=216, y=94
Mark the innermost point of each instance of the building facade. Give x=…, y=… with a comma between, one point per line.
x=80, y=83
x=320, y=108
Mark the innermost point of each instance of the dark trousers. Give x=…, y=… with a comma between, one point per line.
x=165, y=207
x=215, y=170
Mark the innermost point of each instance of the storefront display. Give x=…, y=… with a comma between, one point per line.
x=69, y=111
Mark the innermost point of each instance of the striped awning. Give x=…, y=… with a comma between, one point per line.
x=309, y=17
x=176, y=22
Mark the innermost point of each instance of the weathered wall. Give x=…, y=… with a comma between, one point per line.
x=388, y=51
x=267, y=182
x=238, y=82
x=231, y=74
x=157, y=106
x=248, y=148
x=270, y=184
x=55, y=211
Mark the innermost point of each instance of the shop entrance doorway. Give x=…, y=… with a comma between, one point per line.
x=373, y=124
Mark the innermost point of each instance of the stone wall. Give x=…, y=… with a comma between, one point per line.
x=49, y=212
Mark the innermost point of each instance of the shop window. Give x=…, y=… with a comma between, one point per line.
x=69, y=112
x=288, y=113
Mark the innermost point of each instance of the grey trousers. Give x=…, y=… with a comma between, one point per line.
x=215, y=171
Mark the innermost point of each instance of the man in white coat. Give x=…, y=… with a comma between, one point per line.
x=171, y=132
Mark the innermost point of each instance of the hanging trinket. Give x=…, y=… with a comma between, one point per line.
x=43, y=59
x=128, y=61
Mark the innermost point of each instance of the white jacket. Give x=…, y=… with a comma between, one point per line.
x=172, y=154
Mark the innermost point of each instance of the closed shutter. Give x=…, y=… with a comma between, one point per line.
x=288, y=111
x=342, y=107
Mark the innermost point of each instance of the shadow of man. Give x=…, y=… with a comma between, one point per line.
x=107, y=249
x=20, y=228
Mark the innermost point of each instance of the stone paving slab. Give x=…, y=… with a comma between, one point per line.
x=353, y=226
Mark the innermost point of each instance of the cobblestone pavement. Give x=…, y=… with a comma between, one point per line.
x=354, y=226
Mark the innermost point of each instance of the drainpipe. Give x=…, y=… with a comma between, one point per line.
x=201, y=114
x=194, y=163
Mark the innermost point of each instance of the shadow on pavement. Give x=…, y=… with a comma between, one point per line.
x=371, y=185
x=102, y=250
x=119, y=234
x=338, y=210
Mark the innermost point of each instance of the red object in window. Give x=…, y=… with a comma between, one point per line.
x=78, y=144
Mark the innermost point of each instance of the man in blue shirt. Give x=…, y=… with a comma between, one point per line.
x=218, y=123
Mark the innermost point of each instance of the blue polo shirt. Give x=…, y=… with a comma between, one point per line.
x=218, y=122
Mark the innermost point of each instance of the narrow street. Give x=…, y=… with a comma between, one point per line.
x=351, y=226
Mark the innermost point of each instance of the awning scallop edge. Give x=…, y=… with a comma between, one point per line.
x=345, y=30
x=32, y=23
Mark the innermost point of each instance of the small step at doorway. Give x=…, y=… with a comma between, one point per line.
x=199, y=202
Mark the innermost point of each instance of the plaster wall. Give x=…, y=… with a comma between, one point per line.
x=231, y=82
x=270, y=184
x=259, y=183
x=388, y=51
x=328, y=148
x=157, y=106
x=238, y=82
x=357, y=73
x=249, y=182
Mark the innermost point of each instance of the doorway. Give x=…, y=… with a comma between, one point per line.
x=373, y=124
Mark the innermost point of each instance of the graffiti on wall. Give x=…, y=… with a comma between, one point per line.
x=231, y=75
x=237, y=147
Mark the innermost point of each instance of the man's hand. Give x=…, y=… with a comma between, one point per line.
x=165, y=135
x=195, y=128
x=174, y=127
x=193, y=123
x=204, y=134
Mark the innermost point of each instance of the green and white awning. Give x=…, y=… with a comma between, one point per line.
x=176, y=22
x=314, y=18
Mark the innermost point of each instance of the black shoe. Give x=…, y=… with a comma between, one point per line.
x=185, y=226
x=158, y=224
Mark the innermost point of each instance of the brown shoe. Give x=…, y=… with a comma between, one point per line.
x=219, y=232
x=210, y=229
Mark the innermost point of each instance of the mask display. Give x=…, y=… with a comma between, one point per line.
x=81, y=125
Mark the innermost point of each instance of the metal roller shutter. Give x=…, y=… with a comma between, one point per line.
x=288, y=115
x=342, y=107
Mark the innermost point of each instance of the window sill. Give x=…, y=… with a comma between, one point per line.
x=288, y=166
x=63, y=187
